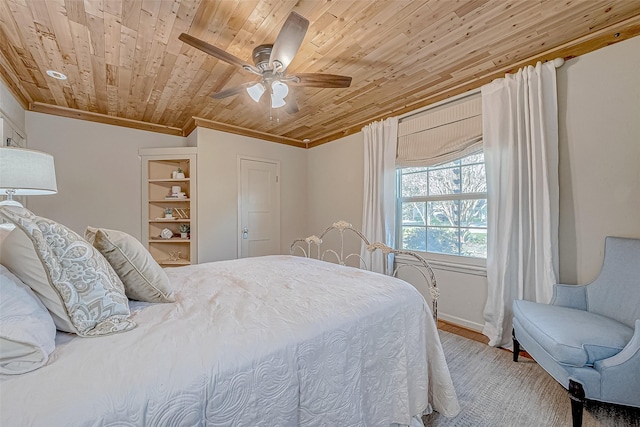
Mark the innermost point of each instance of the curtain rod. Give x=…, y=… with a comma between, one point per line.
x=558, y=62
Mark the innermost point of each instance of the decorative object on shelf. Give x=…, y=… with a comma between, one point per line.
x=168, y=213
x=179, y=174
x=176, y=193
x=185, y=229
x=166, y=233
x=181, y=213
x=174, y=256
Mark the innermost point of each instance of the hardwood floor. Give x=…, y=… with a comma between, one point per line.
x=471, y=334
x=462, y=331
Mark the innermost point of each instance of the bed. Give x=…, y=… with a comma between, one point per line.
x=276, y=341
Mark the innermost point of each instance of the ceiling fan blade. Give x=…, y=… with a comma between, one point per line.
x=319, y=80
x=289, y=40
x=232, y=91
x=214, y=51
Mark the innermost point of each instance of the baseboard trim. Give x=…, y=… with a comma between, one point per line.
x=460, y=322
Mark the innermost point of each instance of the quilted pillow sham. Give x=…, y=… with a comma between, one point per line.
x=71, y=278
x=27, y=332
x=143, y=278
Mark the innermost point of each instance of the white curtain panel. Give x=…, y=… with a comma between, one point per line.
x=379, y=212
x=520, y=132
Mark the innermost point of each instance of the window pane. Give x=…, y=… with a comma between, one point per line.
x=444, y=181
x=413, y=213
x=443, y=213
x=413, y=184
x=439, y=218
x=443, y=241
x=473, y=158
x=414, y=238
x=474, y=242
x=473, y=213
x=473, y=179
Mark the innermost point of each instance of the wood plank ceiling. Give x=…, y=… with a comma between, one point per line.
x=126, y=66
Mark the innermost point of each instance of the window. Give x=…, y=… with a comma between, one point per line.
x=443, y=209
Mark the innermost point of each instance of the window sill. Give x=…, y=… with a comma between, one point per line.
x=475, y=266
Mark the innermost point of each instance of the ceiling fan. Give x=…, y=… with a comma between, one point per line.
x=271, y=62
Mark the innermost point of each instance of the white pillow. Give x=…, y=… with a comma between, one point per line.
x=27, y=332
x=71, y=278
x=143, y=278
x=5, y=229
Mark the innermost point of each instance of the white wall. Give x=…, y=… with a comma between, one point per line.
x=11, y=109
x=98, y=171
x=218, y=190
x=599, y=105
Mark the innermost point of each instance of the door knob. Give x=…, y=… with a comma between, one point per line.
x=245, y=233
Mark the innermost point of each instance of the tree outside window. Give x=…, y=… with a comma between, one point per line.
x=443, y=208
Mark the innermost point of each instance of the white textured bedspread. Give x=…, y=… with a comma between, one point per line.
x=270, y=341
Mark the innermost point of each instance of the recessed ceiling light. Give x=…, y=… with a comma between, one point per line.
x=56, y=75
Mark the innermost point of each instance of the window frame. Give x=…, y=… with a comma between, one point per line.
x=460, y=263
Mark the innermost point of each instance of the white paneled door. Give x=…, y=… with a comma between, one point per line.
x=259, y=207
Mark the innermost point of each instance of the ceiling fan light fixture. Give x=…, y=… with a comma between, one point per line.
x=256, y=91
x=277, y=102
x=279, y=89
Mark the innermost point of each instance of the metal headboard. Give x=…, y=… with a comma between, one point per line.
x=306, y=247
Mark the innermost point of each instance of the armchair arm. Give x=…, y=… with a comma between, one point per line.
x=618, y=373
x=570, y=296
x=629, y=352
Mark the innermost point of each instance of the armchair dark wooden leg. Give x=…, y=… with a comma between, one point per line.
x=576, y=394
x=516, y=346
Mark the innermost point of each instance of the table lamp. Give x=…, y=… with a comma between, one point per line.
x=25, y=173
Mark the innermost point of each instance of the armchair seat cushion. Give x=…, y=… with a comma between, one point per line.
x=571, y=337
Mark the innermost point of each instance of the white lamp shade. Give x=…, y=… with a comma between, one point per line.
x=256, y=91
x=27, y=172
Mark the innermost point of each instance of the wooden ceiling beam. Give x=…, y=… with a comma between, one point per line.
x=210, y=124
x=102, y=118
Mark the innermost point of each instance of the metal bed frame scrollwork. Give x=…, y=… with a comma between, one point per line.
x=305, y=246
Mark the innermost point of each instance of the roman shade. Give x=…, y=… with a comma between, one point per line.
x=441, y=134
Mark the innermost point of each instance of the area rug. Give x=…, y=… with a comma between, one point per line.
x=494, y=391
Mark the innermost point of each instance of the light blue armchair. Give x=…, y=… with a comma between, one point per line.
x=588, y=337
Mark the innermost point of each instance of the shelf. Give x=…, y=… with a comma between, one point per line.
x=169, y=180
x=171, y=240
x=170, y=221
x=169, y=200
